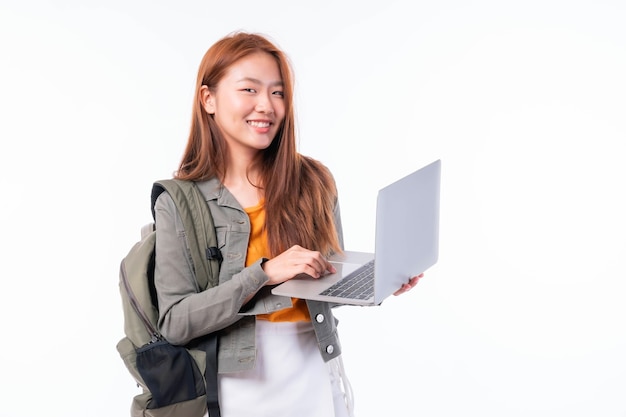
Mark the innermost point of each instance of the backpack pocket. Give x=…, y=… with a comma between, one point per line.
x=170, y=374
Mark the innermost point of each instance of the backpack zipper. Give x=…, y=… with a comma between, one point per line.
x=155, y=336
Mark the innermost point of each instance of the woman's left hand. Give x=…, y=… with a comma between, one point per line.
x=412, y=283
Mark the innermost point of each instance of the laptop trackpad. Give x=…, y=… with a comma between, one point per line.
x=302, y=285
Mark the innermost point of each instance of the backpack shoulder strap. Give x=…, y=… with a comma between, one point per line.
x=200, y=232
x=199, y=228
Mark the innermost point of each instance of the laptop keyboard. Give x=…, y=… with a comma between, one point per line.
x=358, y=285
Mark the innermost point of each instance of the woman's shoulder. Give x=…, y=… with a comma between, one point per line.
x=210, y=188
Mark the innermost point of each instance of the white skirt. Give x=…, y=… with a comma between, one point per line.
x=290, y=377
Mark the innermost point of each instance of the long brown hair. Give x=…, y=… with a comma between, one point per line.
x=300, y=192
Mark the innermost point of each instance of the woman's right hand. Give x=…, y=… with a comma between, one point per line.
x=295, y=261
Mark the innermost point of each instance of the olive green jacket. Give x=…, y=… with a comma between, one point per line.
x=186, y=313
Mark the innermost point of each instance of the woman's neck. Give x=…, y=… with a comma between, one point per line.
x=243, y=183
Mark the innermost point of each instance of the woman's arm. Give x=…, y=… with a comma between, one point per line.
x=184, y=312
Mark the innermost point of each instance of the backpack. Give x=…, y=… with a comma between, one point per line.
x=169, y=376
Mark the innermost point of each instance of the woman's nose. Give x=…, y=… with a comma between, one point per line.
x=264, y=104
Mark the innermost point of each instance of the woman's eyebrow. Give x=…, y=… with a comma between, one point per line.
x=256, y=81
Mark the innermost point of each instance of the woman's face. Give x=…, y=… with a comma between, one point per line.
x=248, y=104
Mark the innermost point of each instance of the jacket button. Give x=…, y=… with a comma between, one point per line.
x=319, y=318
x=330, y=349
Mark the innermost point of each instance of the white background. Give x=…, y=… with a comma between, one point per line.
x=524, y=102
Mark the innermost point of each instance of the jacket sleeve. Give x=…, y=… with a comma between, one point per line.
x=184, y=312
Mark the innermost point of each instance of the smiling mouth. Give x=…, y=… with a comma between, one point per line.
x=258, y=124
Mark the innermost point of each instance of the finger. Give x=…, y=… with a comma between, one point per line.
x=304, y=259
x=407, y=286
x=310, y=262
x=313, y=267
x=321, y=264
x=404, y=288
x=414, y=280
x=310, y=266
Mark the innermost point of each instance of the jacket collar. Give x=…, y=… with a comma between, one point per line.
x=213, y=190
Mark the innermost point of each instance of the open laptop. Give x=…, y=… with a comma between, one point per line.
x=407, y=244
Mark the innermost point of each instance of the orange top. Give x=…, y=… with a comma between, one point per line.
x=258, y=248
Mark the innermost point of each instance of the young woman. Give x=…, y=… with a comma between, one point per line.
x=276, y=216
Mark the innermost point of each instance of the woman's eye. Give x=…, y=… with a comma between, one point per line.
x=279, y=93
x=249, y=90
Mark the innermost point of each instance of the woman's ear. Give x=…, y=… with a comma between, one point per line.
x=207, y=99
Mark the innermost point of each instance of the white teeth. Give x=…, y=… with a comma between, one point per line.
x=259, y=124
